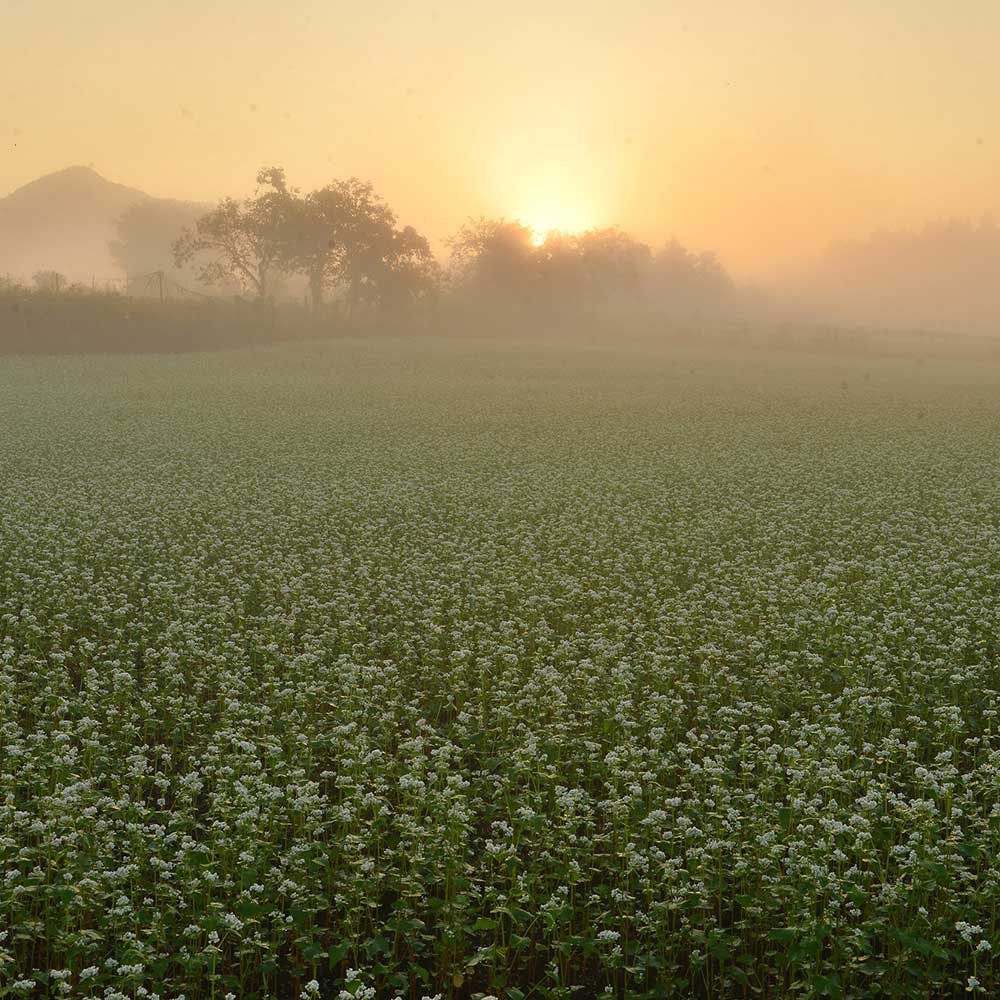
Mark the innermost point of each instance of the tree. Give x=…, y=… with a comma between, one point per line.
x=144, y=235
x=327, y=232
x=578, y=269
x=242, y=240
x=613, y=262
x=687, y=282
x=343, y=236
x=561, y=280
x=389, y=268
x=498, y=259
x=495, y=258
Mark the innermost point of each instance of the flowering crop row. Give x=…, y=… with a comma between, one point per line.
x=420, y=668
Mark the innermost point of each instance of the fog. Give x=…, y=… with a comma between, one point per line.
x=798, y=163
x=499, y=501
x=943, y=276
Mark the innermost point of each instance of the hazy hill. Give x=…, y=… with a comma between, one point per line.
x=63, y=221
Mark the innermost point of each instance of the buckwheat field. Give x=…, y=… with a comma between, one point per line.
x=423, y=668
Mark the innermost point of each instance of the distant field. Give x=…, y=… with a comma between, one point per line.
x=419, y=667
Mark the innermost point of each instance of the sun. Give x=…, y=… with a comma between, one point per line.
x=546, y=217
x=542, y=231
x=545, y=177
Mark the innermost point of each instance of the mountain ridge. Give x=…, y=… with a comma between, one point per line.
x=77, y=175
x=64, y=221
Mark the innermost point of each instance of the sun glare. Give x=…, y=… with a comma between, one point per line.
x=545, y=220
x=541, y=231
x=548, y=192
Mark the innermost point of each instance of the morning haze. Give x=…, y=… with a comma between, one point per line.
x=499, y=501
x=761, y=131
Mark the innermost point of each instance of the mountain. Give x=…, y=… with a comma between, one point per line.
x=63, y=222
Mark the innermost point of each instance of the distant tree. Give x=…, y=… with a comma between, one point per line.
x=344, y=237
x=499, y=260
x=496, y=258
x=560, y=279
x=49, y=281
x=390, y=269
x=145, y=233
x=613, y=261
x=682, y=281
x=239, y=241
x=328, y=231
x=413, y=271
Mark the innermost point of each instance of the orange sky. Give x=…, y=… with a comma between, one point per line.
x=761, y=130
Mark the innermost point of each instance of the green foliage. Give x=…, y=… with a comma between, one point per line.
x=420, y=666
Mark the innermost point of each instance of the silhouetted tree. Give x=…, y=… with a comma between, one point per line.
x=242, y=240
x=327, y=232
x=560, y=279
x=343, y=236
x=498, y=259
x=389, y=268
x=495, y=258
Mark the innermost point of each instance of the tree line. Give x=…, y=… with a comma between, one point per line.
x=344, y=249
x=341, y=238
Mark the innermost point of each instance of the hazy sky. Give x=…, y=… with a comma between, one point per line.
x=759, y=129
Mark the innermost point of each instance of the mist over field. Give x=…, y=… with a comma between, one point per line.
x=338, y=256
x=499, y=502
x=836, y=164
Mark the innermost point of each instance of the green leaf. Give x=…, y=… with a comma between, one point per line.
x=339, y=952
x=918, y=944
x=739, y=975
x=827, y=986
x=719, y=949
